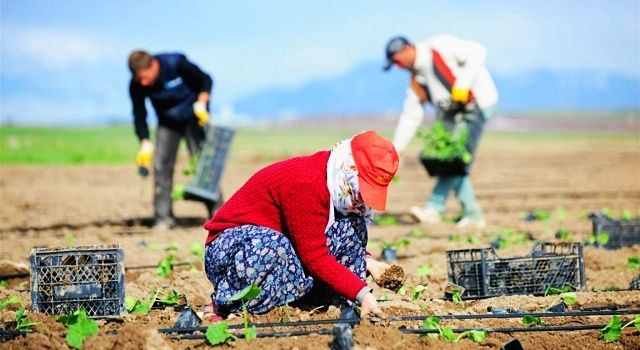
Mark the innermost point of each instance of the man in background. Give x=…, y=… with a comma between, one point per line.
x=445, y=71
x=179, y=92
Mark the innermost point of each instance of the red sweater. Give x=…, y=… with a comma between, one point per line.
x=291, y=197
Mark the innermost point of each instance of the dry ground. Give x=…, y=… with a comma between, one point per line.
x=51, y=205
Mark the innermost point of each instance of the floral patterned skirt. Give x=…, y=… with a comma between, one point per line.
x=248, y=254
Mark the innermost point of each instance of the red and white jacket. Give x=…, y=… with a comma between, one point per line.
x=442, y=62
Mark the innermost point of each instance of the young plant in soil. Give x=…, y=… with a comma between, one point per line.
x=456, y=297
x=565, y=294
x=612, y=331
x=23, y=322
x=250, y=292
x=601, y=238
x=4, y=284
x=141, y=307
x=197, y=249
x=218, y=333
x=171, y=298
x=447, y=334
x=564, y=235
x=633, y=262
x=11, y=300
x=529, y=320
x=385, y=220
x=418, y=232
x=389, y=249
x=79, y=327
x=417, y=290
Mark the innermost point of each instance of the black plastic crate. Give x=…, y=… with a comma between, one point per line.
x=205, y=184
x=622, y=233
x=440, y=167
x=66, y=279
x=483, y=274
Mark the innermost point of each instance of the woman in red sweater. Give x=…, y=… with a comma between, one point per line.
x=300, y=225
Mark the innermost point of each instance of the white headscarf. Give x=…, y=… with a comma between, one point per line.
x=343, y=185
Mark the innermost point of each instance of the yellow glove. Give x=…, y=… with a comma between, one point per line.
x=200, y=110
x=145, y=154
x=460, y=95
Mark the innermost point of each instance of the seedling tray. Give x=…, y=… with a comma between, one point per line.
x=622, y=233
x=66, y=279
x=440, y=167
x=483, y=274
x=205, y=184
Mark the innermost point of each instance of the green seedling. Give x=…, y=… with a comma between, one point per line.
x=633, y=262
x=626, y=215
x=178, y=192
x=197, y=249
x=165, y=266
x=218, y=333
x=250, y=292
x=168, y=247
x=612, y=331
x=417, y=290
x=607, y=212
x=23, y=322
x=191, y=168
x=601, y=238
x=395, y=245
x=141, y=307
x=456, y=297
x=510, y=237
x=447, y=334
x=564, y=235
x=4, y=284
x=541, y=215
x=10, y=300
x=557, y=291
x=424, y=270
x=583, y=215
x=445, y=145
x=171, y=298
x=529, y=320
x=418, y=232
x=79, y=327
x=69, y=239
x=385, y=220
x=402, y=290
x=561, y=213
x=383, y=296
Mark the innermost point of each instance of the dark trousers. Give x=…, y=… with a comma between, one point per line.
x=164, y=161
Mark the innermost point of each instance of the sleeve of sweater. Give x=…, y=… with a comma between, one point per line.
x=469, y=57
x=306, y=219
x=139, y=111
x=194, y=75
x=410, y=118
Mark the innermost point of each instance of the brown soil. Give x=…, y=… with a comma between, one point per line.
x=392, y=278
x=111, y=205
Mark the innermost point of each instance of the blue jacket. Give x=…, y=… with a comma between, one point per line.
x=172, y=95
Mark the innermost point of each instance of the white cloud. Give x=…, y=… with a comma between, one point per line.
x=50, y=48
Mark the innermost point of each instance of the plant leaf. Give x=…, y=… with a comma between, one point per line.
x=423, y=271
x=569, y=298
x=431, y=322
x=529, y=320
x=636, y=322
x=248, y=293
x=250, y=333
x=634, y=262
x=417, y=290
x=217, y=333
x=477, y=336
x=611, y=332
x=197, y=249
x=447, y=334
x=82, y=328
x=12, y=299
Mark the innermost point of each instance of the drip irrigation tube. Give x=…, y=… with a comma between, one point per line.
x=581, y=327
x=262, y=335
x=521, y=314
x=413, y=318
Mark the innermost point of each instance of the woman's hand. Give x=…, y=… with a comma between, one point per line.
x=369, y=305
x=376, y=268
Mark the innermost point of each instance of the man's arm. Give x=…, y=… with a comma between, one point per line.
x=139, y=111
x=196, y=78
x=410, y=118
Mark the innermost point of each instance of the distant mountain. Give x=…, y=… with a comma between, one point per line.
x=367, y=89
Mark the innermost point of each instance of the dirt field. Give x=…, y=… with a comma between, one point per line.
x=52, y=206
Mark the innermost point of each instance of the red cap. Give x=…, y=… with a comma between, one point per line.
x=376, y=161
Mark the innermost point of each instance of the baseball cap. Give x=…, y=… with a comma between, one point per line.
x=394, y=46
x=376, y=161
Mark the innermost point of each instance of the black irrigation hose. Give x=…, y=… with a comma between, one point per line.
x=415, y=318
x=6, y=335
x=520, y=314
x=262, y=335
x=512, y=329
x=265, y=324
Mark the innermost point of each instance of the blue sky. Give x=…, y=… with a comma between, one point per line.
x=67, y=59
